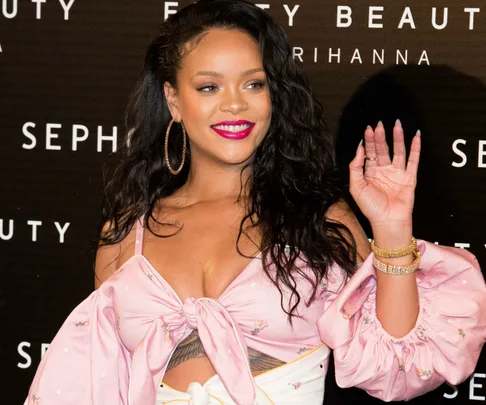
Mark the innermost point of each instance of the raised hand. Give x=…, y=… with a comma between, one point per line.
x=384, y=189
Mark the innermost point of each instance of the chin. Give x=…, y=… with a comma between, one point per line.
x=237, y=161
x=237, y=158
x=236, y=154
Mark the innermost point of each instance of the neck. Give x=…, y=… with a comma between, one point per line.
x=211, y=181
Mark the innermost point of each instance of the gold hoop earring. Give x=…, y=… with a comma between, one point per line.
x=166, y=149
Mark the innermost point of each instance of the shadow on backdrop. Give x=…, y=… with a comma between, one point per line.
x=446, y=106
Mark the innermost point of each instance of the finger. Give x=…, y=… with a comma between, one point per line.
x=414, y=158
x=381, y=146
x=356, y=175
x=370, y=150
x=399, y=150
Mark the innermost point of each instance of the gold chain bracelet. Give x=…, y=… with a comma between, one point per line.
x=398, y=270
x=394, y=253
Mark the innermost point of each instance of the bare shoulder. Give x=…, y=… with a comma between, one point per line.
x=110, y=257
x=341, y=212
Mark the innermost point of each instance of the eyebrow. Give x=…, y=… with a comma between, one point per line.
x=217, y=74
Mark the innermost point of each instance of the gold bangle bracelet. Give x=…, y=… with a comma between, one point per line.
x=394, y=253
x=398, y=270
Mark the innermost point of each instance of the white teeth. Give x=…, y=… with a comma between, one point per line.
x=233, y=128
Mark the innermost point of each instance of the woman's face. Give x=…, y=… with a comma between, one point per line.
x=222, y=97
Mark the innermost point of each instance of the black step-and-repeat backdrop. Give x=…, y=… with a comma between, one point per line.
x=68, y=66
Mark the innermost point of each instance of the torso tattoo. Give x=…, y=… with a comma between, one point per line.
x=191, y=347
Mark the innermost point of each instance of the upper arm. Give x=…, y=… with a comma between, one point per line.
x=106, y=260
x=342, y=213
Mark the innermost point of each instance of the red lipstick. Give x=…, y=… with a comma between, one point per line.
x=234, y=130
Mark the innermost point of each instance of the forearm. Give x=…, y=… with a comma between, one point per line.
x=397, y=301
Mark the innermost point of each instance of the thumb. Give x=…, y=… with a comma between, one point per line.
x=356, y=174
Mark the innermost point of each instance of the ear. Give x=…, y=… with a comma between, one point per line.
x=172, y=101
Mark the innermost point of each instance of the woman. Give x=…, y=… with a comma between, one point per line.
x=224, y=268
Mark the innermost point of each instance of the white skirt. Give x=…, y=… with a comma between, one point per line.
x=298, y=382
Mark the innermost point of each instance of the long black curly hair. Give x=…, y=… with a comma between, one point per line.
x=293, y=179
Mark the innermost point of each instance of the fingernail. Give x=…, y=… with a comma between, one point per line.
x=380, y=124
x=369, y=127
x=419, y=133
x=360, y=143
x=397, y=122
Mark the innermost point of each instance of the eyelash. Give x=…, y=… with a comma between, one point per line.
x=260, y=85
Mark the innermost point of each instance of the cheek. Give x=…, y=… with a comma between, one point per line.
x=195, y=108
x=267, y=104
x=265, y=110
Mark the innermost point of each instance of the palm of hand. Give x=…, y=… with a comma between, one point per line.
x=385, y=189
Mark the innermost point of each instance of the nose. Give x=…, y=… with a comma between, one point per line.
x=233, y=102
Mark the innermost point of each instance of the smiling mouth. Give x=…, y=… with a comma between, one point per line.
x=234, y=131
x=232, y=128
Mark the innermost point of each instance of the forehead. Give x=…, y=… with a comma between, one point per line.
x=223, y=50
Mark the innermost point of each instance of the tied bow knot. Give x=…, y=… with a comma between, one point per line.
x=190, y=312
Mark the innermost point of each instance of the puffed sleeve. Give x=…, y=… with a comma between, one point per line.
x=85, y=363
x=443, y=346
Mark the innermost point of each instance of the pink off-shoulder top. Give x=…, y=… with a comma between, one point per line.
x=115, y=346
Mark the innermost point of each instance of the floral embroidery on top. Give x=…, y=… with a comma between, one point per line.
x=79, y=324
x=366, y=319
x=305, y=349
x=296, y=385
x=259, y=326
x=421, y=334
x=117, y=321
x=166, y=330
x=323, y=284
x=345, y=314
x=401, y=366
x=462, y=333
x=150, y=275
x=35, y=399
x=424, y=374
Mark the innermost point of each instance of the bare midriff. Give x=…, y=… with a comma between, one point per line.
x=189, y=363
x=194, y=370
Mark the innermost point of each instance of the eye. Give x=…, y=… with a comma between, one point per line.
x=208, y=89
x=258, y=85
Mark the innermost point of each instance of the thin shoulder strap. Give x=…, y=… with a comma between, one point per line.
x=139, y=236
